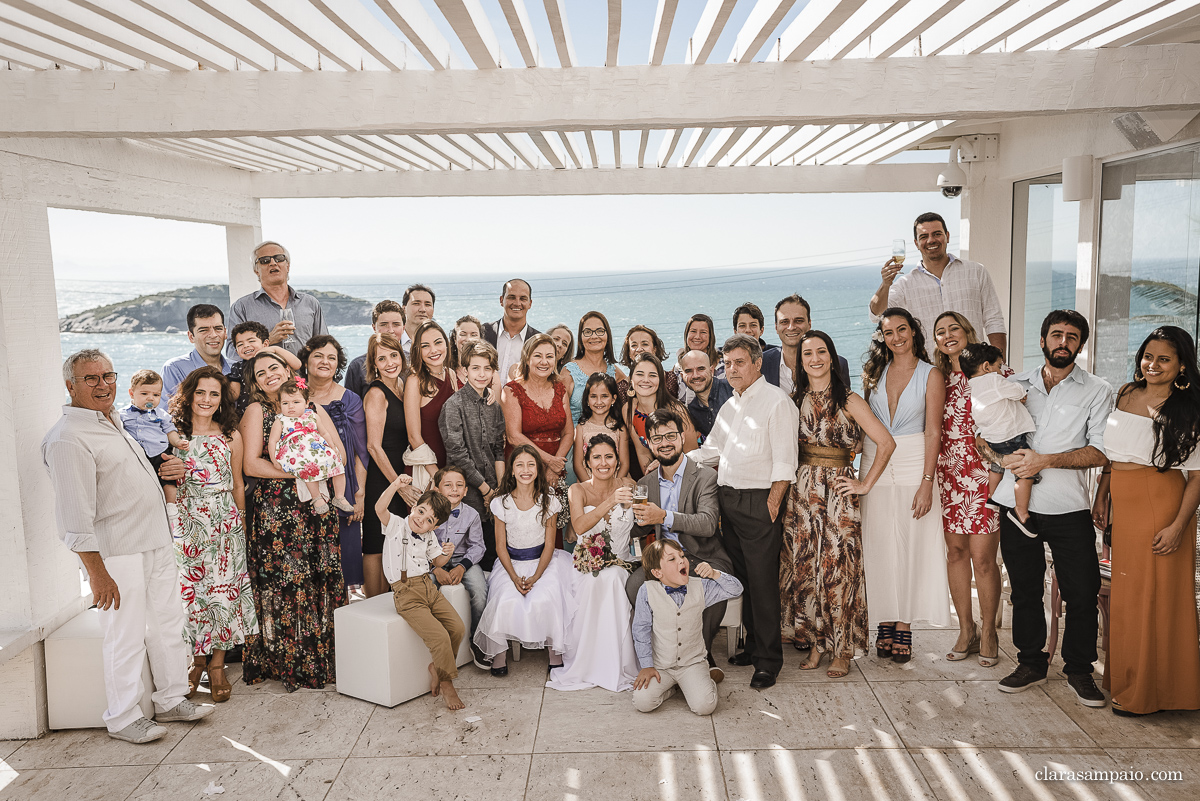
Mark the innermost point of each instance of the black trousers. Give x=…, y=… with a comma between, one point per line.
x=1072, y=541
x=711, y=618
x=753, y=542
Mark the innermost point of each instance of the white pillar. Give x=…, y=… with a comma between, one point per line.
x=39, y=577
x=239, y=246
x=985, y=228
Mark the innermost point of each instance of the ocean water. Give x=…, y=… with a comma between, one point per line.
x=663, y=300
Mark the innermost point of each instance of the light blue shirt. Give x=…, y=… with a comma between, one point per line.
x=669, y=497
x=1072, y=416
x=722, y=589
x=148, y=427
x=180, y=367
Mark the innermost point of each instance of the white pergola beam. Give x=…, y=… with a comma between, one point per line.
x=709, y=29
x=851, y=33
x=607, y=181
x=572, y=147
x=556, y=15
x=961, y=23
x=207, y=104
x=902, y=29
x=1004, y=24
x=495, y=146
x=900, y=143
x=614, y=33
x=616, y=137
x=777, y=138
x=692, y=149
x=815, y=23
x=1068, y=15
x=519, y=24
x=365, y=30
x=721, y=144
x=664, y=17
x=217, y=33
x=416, y=24
x=259, y=27
x=1094, y=25
x=302, y=18
x=470, y=23
x=84, y=44
x=1143, y=24
x=764, y=18
x=19, y=55
x=49, y=49
x=164, y=31
x=667, y=149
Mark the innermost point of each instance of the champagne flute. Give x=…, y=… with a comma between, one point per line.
x=898, y=250
x=286, y=315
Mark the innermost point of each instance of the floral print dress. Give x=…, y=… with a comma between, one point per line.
x=210, y=550
x=821, y=575
x=296, y=572
x=303, y=452
x=962, y=475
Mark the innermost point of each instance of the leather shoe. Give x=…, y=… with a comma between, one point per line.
x=741, y=659
x=762, y=680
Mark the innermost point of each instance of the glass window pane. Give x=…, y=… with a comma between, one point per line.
x=1149, y=254
x=1045, y=235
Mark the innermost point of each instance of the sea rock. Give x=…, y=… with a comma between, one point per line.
x=167, y=311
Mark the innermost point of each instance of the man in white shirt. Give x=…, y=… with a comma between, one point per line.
x=112, y=514
x=941, y=282
x=508, y=334
x=753, y=448
x=418, y=303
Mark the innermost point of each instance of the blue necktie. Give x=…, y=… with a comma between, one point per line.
x=676, y=590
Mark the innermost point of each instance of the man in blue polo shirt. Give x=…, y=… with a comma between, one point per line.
x=206, y=330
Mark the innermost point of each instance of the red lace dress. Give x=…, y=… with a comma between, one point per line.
x=544, y=428
x=962, y=475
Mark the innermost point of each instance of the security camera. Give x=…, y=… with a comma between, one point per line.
x=952, y=178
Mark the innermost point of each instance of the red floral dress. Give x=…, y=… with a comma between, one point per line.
x=962, y=475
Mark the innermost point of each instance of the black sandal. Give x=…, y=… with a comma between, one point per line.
x=887, y=631
x=903, y=639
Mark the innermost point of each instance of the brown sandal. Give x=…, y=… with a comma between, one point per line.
x=194, y=677
x=220, y=686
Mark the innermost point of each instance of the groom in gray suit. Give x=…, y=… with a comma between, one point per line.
x=682, y=506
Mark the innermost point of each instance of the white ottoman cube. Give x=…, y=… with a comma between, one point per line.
x=379, y=657
x=75, y=675
x=732, y=623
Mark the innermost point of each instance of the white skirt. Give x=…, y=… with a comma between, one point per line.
x=904, y=559
x=599, y=640
x=536, y=620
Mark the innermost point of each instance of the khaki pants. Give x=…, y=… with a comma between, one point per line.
x=699, y=690
x=433, y=618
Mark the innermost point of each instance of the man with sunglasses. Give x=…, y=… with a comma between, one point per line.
x=111, y=513
x=272, y=265
x=681, y=505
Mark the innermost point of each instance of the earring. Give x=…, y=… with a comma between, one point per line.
x=1188, y=385
x=1137, y=374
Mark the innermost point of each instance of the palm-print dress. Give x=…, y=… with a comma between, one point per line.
x=962, y=475
x=296, y=573
x=210, y=550
x=821, y=576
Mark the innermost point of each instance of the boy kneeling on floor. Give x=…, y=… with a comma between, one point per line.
x=409, y=549
x=668, y=628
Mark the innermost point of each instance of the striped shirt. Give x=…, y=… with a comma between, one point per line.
x=965, y=287
x=107, y=496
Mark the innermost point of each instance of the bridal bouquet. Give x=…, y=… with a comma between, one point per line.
x=593, y=552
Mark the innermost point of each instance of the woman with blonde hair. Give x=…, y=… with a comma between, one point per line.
x=971, y=527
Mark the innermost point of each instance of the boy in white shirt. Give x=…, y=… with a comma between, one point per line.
x=409, y=549
x=998, y=406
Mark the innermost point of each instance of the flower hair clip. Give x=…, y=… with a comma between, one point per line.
x=301, y=383
x=877, y=336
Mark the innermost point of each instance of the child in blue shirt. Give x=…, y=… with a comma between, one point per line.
x=152, y=427
x=464, y=530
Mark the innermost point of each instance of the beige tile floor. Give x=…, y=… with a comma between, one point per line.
x=930, y=729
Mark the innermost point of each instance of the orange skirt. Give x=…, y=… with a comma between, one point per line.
x=1153, y=661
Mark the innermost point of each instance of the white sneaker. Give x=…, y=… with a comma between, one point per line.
x=142, y=730
x=184, y=711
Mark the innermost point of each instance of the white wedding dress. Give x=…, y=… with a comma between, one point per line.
x=600, y=637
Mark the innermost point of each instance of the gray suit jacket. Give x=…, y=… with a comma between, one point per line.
x=696, y=519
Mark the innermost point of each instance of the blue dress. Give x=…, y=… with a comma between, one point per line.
x=351, y=424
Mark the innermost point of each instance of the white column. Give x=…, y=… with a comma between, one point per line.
x=39, y=577
x=239, y=246
x=986, y=225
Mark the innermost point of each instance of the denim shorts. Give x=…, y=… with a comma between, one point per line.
x=1007, y=448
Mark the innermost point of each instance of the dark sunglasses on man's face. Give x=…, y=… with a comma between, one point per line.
x=278, y=258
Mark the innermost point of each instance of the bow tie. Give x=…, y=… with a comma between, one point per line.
x=454, y=512
x=676, y=590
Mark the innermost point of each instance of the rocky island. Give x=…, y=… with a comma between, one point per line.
x=167, y=311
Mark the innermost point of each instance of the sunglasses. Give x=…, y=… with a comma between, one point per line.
x=278, y=258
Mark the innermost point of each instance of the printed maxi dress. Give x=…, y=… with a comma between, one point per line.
x=296, y=572
x=210, y=550
x=821, y=576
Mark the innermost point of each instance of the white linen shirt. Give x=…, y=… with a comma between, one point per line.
x=401, y=547
x=508, y=348
x=753, y=440
x=965, y=287
x=997, y=408
x=1071, y=416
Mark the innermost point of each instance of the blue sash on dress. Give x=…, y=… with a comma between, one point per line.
x=526, y=554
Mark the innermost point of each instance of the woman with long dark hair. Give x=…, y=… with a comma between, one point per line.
x=903, y=547
x=210, y=549
x=821, y=577
x=293, y=553
x=643, y=339
x=426, y=390
x=593, y=354
x=1153, y=656
x=699, y=334
x=387, y=440
x=971, y=526
x=648, y=393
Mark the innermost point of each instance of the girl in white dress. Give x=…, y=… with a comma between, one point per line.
x=529, y=592
x=600, y=641
x=904, y=550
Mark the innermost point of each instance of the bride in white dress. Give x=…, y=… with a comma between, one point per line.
x=599, y=639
